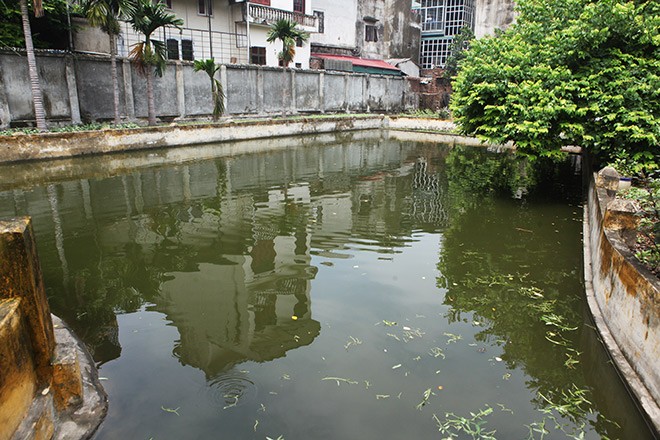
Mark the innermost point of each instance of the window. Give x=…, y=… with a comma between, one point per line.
x=320, y=20
x=172, y=49
x=433, y=12
x=435, y=51
x=258, y=55
x=299, y=42
x=187, y=50
x=205, y=7
x=261, y=2
x=370, y=32
x=167, y=3
x=299, y=6
x=298, y=65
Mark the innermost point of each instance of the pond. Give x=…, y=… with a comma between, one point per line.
x=364, y=285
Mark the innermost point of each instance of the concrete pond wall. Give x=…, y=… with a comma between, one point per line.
x=624, y=298
x=49, y=387
x=24, y=147
x=78, y=88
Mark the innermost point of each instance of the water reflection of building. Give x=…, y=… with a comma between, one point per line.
x=223, y=248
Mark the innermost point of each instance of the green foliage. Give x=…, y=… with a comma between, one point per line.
x=443, y=113
x=217, y=92
x=570, y=72
x=146, y=18
x=287, y=32
x=48, y=32
x=458, y=51
x=107, y=13
x=68, y=128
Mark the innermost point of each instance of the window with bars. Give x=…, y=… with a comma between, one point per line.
x=258, y=55
x=435, y=51
x=299, y=6
x=441, y=21
x=432, y=13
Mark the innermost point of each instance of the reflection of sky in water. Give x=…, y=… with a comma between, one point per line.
x=184, y=280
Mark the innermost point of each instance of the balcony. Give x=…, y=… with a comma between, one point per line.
x=266, y=16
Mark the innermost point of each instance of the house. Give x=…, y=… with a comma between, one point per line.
x=230, y=31
x=366, y=29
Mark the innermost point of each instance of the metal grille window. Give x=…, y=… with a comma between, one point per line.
x=432, y=13
x=435, y=52
x=258, y=55
x=370, y=32
x=454, y=16
x=299, y=6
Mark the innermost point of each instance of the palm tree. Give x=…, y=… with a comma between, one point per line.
x=146, y=18
x=217, y=93
x=287, y=32
x=106, y=15
x=35, y=85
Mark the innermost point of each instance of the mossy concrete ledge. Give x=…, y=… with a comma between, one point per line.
x=624, y=298
x=29, y=147
x=49, y=387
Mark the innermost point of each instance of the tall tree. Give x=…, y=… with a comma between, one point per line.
x=33, y=73
x=287, y=32
x=146, y=18
x=569, y=72
x=106, y=15
x=217, y=92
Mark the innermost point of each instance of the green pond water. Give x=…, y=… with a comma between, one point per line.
x=359, y=287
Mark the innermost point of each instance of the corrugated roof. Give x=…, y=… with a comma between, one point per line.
x=363, y=62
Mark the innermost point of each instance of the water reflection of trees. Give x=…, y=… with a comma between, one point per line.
x=490, y=254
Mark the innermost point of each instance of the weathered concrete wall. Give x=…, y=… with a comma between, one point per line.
x=79, y=88
x=491, y=15
x=397, y=27
x=624, y=298
x=62, y=145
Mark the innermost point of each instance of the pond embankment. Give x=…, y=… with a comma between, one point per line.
x=624, y=298
x=49, y=388
x=27, y=147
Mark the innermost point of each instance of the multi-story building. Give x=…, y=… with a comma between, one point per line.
x=369, y=29
x=231, y=31
x=442, y=20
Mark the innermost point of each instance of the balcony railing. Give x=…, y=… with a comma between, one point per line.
x=266, y=15
x=191, y=44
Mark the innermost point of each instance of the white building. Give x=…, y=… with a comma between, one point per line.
x=231, y=31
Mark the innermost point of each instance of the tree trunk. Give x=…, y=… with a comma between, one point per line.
x=214, y=94
x=151, y=106
x=35, y=85
x=113, y=73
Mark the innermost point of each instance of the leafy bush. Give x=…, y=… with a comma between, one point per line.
x=569, y=72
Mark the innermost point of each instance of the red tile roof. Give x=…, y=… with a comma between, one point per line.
x=363, y=62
